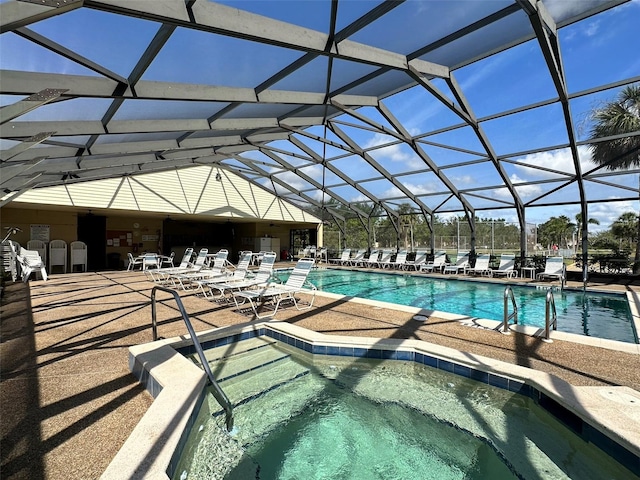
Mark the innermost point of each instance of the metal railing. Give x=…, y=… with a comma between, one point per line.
x=508, y=295
x=550, y=315
x=216, y=391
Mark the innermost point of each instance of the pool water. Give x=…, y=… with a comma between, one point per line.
x=593, y=314
x=300, y=416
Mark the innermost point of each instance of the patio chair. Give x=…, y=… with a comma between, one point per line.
x=462, y=263
x=276, y=293
x=78, y=254
x=438, y=263
x=419, y=260
x=260, y=278
x=385, y=258
x=58, y=255
x=29, y=262
x=40, y=247
x=167, y=260
x=553, y=269
x=344, y=257
x=481, y=266
x=133, y=261
x=506, y=267
x=150, y=261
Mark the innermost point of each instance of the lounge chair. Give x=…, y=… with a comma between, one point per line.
x=201, y=272
x=385, y=258
x=400, y=261
x=438, y=263
x=161, y=274
x=481, y=266
x=419, y=260
x=276, y=293
x=164, y=275
x=238, y=274
x=553, y=269
x=357, y=258
x=344, y=257
x=506, y=267
x=260, y=279
x=371, y=261
x=462, y=264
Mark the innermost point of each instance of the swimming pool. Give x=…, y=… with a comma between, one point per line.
x=318, y=417
x=599, y=315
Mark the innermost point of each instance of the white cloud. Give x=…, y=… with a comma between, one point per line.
x=558, y=160
x=525, y=191
x=396, y=153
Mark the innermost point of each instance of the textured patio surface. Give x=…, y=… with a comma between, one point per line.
x=68, y=401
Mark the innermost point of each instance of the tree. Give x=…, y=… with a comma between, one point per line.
x=556, y=230
x=625, y=229
x=591, y=221
x=619, y=117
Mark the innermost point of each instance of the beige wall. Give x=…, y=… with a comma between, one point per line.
x=62, y=225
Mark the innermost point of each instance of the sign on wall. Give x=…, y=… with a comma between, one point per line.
x=40, y=232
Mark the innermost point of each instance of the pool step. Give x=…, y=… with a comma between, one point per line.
x=232, y=349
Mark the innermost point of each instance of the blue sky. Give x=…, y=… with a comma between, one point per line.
x=596, y=51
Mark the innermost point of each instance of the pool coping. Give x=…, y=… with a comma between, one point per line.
x=633, y=299
x=611, y=413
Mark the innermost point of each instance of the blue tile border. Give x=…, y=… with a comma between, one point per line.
x=578, y=426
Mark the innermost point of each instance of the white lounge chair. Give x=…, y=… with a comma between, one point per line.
x=238, y=274
x=371, y=261
x=357, y=258
x=164, y=275
x=506, y=267
x=260, y=279
x=400, y=261
x=276, y=293
x=554, y=268
x=438, y=263
x=481, y=266
x=462, y=264
x=419, y=260
x=201, y=272
x=344, y=257
x=385, y=258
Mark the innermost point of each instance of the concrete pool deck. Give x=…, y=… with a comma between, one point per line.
x=69, y=401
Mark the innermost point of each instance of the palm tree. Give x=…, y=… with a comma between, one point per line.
x=591, y=221
x=621, y=116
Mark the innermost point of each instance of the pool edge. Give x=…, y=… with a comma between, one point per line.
x=177, y=383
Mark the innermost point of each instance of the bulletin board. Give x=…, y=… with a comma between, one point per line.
x=119, y=238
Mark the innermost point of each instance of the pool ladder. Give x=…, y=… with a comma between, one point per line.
x=508, y=295
x=216, y=391
x=550, y=314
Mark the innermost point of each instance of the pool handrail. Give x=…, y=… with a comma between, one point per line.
x=217, y=392
x=550, y=312
x=508, y=295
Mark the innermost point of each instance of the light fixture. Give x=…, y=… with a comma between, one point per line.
x=218, y=177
